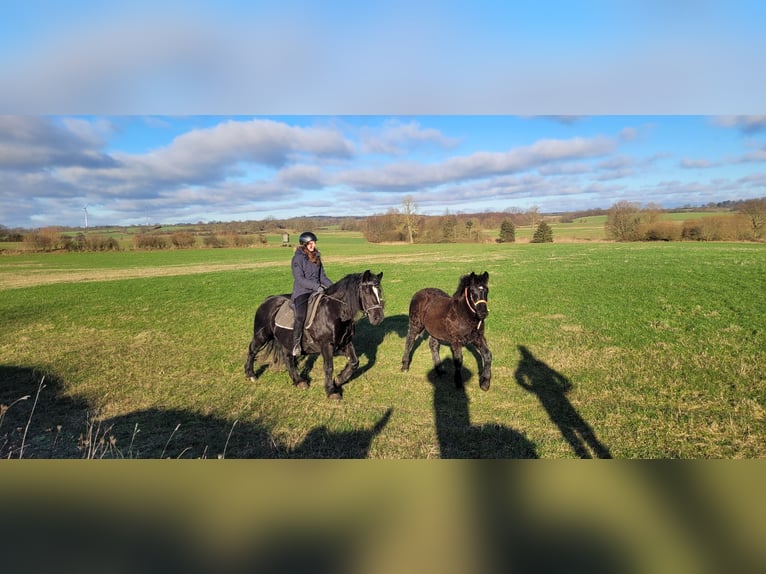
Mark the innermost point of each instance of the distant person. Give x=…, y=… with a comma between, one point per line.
x=308, y=277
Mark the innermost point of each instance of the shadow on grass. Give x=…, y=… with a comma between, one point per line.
x=37, y=418
x=551, y=388
x=368, y=338
x=458, y=438
x=40, y=421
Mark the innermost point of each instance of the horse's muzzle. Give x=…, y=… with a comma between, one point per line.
x=375, y=316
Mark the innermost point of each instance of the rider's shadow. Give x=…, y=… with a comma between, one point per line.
x=551, y=388
x=458, y=438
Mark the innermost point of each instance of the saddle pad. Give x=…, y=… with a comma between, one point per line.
x=285, y=317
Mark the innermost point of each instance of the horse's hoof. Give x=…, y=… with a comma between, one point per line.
x=484, y=385
x=336, y=393
x=405, y=368
x=252, y=378
x=301, y=385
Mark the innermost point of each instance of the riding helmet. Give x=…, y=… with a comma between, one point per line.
x=307, y=236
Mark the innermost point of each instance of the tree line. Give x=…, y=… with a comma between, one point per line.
x=406, y=225
x=625, y=221
x=629, y=221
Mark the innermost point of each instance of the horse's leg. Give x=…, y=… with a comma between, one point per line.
x=486, y=363
x=351, y=365
x=251, y=351
x=434, y=344
x=333, y=391
x=260, y=337
x=292, y=368
x=457, y=359
x=413, y=332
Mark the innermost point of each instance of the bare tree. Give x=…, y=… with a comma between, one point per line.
x=410, y=217
x=755, y=210
x=534, y=215
x=622, y=221
x=652, y=212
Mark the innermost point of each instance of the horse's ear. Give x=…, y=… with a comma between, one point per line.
x=380, y=276
x=485, y=276
x=366, y=275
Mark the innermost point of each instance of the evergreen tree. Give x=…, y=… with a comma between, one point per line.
x=507, y=231
x=543, y=233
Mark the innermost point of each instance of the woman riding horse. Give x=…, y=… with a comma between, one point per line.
x=308, y=277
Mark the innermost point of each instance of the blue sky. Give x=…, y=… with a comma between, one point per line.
x=196, y=111
x=134, y=169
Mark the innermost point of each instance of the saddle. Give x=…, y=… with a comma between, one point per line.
x=285, y=317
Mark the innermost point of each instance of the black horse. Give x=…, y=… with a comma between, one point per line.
x=455, y=321
x=330, y=332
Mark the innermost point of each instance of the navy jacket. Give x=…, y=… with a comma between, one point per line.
x=307, y=277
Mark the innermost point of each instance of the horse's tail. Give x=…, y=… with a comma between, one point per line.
x=263, y=344
x=271, y=353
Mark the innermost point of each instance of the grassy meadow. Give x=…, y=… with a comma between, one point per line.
x=641, y=350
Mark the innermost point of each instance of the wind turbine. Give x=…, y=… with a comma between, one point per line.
x=86, y=216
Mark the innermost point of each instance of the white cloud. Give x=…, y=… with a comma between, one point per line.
x=211, y=155
x=628, y=134
x=32, y=142
x=396, y=138
x=747, y=124
x=409, y=175
x=688, y=163
x=753, y=156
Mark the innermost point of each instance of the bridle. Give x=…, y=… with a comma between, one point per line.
x=379, y=304
x=365, y=310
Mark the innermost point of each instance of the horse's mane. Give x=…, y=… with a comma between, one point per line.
x=346, y=290
x=465, y=280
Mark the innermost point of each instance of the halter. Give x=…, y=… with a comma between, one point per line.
x=468, y=301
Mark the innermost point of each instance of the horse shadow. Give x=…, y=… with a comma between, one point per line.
x=39, y=420
x=551, y=388
x=458, y=437
x=368, y=339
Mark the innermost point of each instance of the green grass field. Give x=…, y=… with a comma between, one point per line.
x=623, y=350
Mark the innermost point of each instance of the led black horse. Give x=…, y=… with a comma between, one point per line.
x=331, y=331
x=455, y=321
